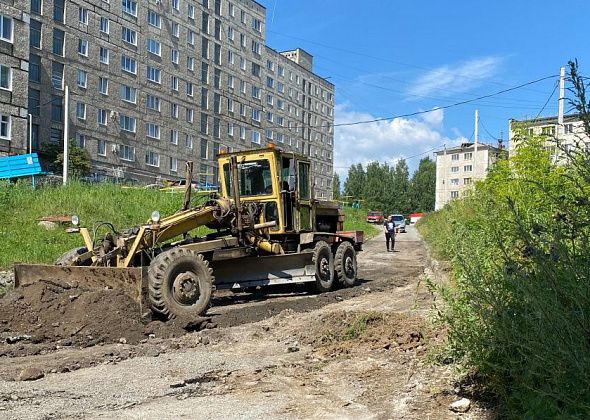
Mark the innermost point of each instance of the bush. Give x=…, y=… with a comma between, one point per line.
x=518, y=306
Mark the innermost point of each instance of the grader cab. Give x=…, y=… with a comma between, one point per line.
x=265, y=229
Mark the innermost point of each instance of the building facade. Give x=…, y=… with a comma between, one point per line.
x=154, y=83
x=459, y=167
x=560, y=138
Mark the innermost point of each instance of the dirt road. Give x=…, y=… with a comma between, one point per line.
x=351, y=353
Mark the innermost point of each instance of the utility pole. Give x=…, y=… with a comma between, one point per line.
x=66, y=127
x=476, y=141
x=561, y=101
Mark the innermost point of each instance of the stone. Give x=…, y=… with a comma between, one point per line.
x=292, y=349
x=123, y=340
x=30, y=374
x=47, y=225
x=460, y=406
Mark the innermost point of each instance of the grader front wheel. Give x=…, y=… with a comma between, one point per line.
x=180, y=283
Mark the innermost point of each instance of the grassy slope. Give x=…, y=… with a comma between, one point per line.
x=20, y=207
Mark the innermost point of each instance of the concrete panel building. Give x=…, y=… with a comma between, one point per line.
x=569, y=135
x=457, y=168
x=155, y=83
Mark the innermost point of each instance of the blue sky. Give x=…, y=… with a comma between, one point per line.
x=388, y=58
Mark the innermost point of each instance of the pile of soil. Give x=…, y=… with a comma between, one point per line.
x=66, y=315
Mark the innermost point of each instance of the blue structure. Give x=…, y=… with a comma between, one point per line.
x=19, y=166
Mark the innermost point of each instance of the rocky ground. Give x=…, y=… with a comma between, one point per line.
x=363, y=352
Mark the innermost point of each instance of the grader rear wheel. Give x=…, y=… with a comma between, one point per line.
x=323, y=261
x=345, y=266
x=180, y=284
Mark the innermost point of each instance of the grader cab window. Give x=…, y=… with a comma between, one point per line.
x=255, y=178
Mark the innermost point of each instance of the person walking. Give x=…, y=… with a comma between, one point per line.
x=389, y=229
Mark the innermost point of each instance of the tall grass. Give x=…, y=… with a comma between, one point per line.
x=356, y=219
x=518, y=306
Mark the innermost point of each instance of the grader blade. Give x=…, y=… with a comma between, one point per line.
x=130, y=281
x=264, y=271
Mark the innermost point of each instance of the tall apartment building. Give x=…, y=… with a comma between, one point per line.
x=571, y=134
x=154, y=83
x=459, y=167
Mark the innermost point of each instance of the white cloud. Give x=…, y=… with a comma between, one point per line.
x=386, y=141
x=449, y=80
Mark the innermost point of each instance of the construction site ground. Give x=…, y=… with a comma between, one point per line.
x=362, y=352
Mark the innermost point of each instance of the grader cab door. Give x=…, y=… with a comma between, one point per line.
x=304, y=190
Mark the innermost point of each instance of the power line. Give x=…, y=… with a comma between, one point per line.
x=548, y=99
x=412, y=114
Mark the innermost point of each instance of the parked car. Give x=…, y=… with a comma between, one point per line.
x=400, y=223
x=374, y=217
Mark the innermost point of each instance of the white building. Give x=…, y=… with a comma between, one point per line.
x=458, y=167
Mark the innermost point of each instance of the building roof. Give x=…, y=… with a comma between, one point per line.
x=547, y=120
x=467, y=147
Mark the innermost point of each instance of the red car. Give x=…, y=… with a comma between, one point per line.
x=375, y=217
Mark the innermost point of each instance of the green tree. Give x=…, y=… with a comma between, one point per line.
x=355, y=182
x=376, y=191
x=400, y=188
x=336, y=187
x=78, y=160
x=422, y=186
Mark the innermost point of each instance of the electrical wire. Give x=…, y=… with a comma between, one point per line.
x=548, y=99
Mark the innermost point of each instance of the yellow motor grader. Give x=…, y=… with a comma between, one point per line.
x=266, y=229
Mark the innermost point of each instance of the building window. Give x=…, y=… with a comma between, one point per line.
x=205, y=23
x=83, y=47
x=127, y=153
x=190, y=115
x=153, y=46
x=548, y=131
x=468, y=168
x=204, y=47
x=34, y=102
x=256, y=25
x=83, y=15
x=467, y=181
x=153, y=102
x=216, y=128
x=153, y=74
x=80, y=140
x=152, y=159
x=569, y=128
x=173, y=164
x=230, y=105
x=217, y=32
x=256, y=47
x=127, y=123
x=154, y=19
x=81, y=110
x=230, y=33
x=189, y=89
x=174, y=56
x=217, y=78
x=204, y=119
x=55, y=135
x=255, y=137
x=455, y=156
x=454, y=194
x=175, y=29
x=128, y=93
x=56, y=108
x=129, y=7
x=104, y=25
x=455, y=181
x=269, y=133
x=230, y=81
x=57, y=75
x=270, y=82
x=230, y=129
x=191, y=11
x=454, y=169
x=242, y=133
x=101, y=116
x=104, y=55
x=190, y=37
x=128, y=64
x=35, y=34
x=5, y=77
x=174, y=110
x=216, y=103
x=103, y=85
x=36, y=6
x=175, y=4
x=5, y=126
x=255, y=114
x=203, y=149
x=174, y=136
x=58, y=10
x=190, y=63
x=281, y=89
x=101, y=148
x=217, y=53
x=129, y=35
x=468, y=156
x=58, y=42
x=188, y=141
x=174, y=83
x=152, y=130
x=34, y=68
x=204, y=98
x=82, y=79
x=204, y=73
x=218, y=7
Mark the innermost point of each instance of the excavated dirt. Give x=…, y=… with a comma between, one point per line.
x=50, y=314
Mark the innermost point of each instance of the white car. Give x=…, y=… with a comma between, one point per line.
x=400, y=222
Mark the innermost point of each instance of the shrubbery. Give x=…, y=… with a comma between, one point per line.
x=518, y=306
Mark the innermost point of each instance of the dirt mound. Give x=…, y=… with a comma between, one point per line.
x=66, y=315
x=344, y=332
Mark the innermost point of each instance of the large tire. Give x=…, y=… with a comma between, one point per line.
x=68, y=258
x=180, y=284
x=345, y=267
x=323, y=261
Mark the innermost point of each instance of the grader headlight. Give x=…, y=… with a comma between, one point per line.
x=75, y=220
x=155, y=218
